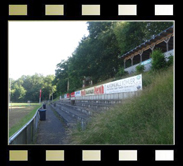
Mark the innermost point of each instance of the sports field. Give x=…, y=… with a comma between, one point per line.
x=19, y=114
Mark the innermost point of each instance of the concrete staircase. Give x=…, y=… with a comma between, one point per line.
x=80, y=111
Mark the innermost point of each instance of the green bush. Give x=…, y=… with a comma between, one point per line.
x=121, y=72
x=158, y=59
x=140, y=68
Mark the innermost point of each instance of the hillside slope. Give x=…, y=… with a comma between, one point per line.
x=144, y=119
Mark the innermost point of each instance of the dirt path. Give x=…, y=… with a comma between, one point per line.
x=51, y=131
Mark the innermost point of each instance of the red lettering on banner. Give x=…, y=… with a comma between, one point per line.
x=99, y=90
x=68, y=95
x=102, y=89
x=83, y=93
x=73, y=94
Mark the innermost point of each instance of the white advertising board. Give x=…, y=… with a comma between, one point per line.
x=78, y=93
x=124, y=85
x=89, y=91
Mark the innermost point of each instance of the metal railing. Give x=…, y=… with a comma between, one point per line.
x=112, y=96
x=26, y=135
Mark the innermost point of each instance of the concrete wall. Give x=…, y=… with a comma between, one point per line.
x=146, y=63
x=168, y=53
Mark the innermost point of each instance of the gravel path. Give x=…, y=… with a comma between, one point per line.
x=50, y=131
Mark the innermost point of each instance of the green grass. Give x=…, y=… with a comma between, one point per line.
x=23, y=121
x=56, y=99
x=24, y=104
x=144, y=119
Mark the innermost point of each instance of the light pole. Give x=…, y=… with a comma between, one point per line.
x=68, y=84
x=40, y=96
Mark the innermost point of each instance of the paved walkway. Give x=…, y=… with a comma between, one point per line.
x=50, y=131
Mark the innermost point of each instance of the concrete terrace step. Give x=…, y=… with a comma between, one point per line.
x=94, y=105
x=87, y=104
x=76, y=114
x=91, y=101
x=81, y=110
x=99, y=101
x=85, y=110
x=75, y=111
x=69, y=120
x=70, y=111
x=103, y=104
x=90, y=106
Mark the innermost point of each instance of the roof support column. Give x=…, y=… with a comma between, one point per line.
x=132, y=61
x=140, y=53
x=166, y=40
x=124, y=63
x=152, y=48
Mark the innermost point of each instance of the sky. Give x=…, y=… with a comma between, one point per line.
x=38, y=46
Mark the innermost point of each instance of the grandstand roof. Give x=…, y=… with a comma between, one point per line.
x=156, y=39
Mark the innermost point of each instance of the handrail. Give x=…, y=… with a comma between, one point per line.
x=20, y=130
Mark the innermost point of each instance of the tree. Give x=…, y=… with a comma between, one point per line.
x=131, y=34
x=18, y=92
x=97, y=55
x=28, y=87
x=48, y=88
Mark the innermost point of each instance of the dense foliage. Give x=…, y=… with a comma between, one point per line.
x=140, y=68
x=97, y=55
x=27, y=88
x=158, y=59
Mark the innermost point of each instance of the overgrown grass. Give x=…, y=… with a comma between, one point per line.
x=144, y=119
x=23, y=121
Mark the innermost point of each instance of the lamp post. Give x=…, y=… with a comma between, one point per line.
x=40, y=96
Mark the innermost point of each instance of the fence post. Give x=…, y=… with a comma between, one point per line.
x=32, y=131
x=25, y=134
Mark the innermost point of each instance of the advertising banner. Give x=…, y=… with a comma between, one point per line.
x=73, y=94
x=78, y=93
x=68, y=95
x=83, y=93
x=124, y=85
x=89, y=91
x=99, y=90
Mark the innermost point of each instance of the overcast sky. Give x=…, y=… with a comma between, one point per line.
x=38, y=46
